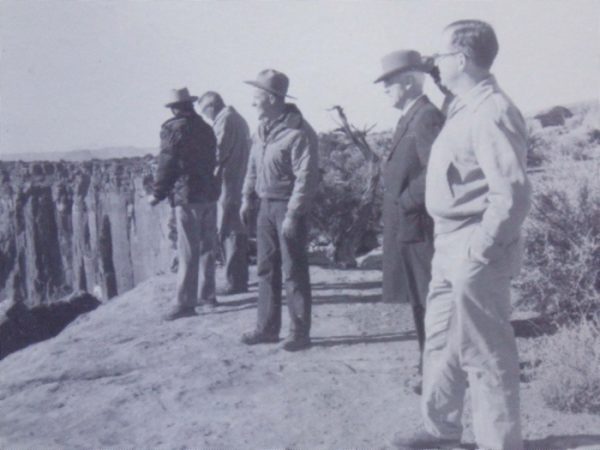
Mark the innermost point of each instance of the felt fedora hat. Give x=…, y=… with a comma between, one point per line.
x=400, y=61
x=180, y=96
x=272, y=81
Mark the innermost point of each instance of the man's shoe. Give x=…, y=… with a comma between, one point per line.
x=421, y=439
x=210, y=304
x=180, y=312
x=295, y=343
x=257, y=337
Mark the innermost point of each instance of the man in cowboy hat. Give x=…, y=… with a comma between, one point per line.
x=233, y=148
x=478, y=194
x=408, y=229
x=186, y=163
x=283, y=174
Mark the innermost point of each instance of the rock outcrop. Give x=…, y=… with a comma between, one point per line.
x=79, y=226
x=554, y=117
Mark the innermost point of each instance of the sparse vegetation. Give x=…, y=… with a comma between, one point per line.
x=561, y=274
x=569, y=368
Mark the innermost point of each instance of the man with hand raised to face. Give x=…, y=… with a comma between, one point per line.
x=408, y=229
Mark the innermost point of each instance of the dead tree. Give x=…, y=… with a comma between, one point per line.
x=348, y=240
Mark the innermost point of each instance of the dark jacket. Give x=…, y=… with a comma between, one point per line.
x=405, y=221
x=186, y=161
x=405, y=169
x=283, y=162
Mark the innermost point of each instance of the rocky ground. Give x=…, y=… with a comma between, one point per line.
x=121, y=377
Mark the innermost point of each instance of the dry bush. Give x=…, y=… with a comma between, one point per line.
x=561, y=274
x=569, y=368
x=344, y=175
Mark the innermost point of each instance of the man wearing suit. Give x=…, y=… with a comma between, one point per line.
x=408, y=230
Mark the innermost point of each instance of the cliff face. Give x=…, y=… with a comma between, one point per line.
x=70, y=226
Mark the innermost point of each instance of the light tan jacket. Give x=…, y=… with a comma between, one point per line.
x=477, y=170
x=233, y=150
x=284, y=163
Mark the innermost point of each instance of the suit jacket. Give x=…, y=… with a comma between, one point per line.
x=404, y=173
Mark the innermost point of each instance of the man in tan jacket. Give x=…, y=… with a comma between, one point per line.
x=478, y=194
x=283, y=173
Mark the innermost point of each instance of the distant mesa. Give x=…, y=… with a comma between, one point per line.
x=555, y=116
x=81, y=155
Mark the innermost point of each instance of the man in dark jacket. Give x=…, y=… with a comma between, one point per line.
x=233, y=148
x=283, y=173
x=186, y=164
x=408, y=230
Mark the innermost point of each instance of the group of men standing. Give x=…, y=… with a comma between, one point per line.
x=218, y=180
x=456, y=194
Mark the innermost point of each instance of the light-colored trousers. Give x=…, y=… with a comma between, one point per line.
x=469, y=337
x=196, y=242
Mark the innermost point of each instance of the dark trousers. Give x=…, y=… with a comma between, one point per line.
x=277, y=254
x=235, y=253
x=416, y=259
x=196, y=242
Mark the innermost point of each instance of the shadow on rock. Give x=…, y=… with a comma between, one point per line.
x=564, y=442
x=583, y=441
x=363, y=339
x=349, y=285
x=21, y=327
x=347, y=299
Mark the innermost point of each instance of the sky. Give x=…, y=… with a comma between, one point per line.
x=80, y=74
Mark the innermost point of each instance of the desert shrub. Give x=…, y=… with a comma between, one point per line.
x=569, y=368
x=561, y=273
x=344, y=177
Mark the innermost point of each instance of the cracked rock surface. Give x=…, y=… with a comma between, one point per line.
x=122, y=377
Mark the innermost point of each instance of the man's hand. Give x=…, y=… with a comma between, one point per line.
x=152, y=200
x=245, y=213
x=289, y=227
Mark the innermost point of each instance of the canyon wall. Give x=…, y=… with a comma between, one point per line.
x=79, y=226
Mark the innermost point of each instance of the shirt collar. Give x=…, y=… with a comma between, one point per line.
x=221, y=114
x=474, y=96
x=409, y=105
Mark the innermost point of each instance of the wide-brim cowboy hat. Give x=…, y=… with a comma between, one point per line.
x=179, y=96
x=272, y=81
x=401, y=61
